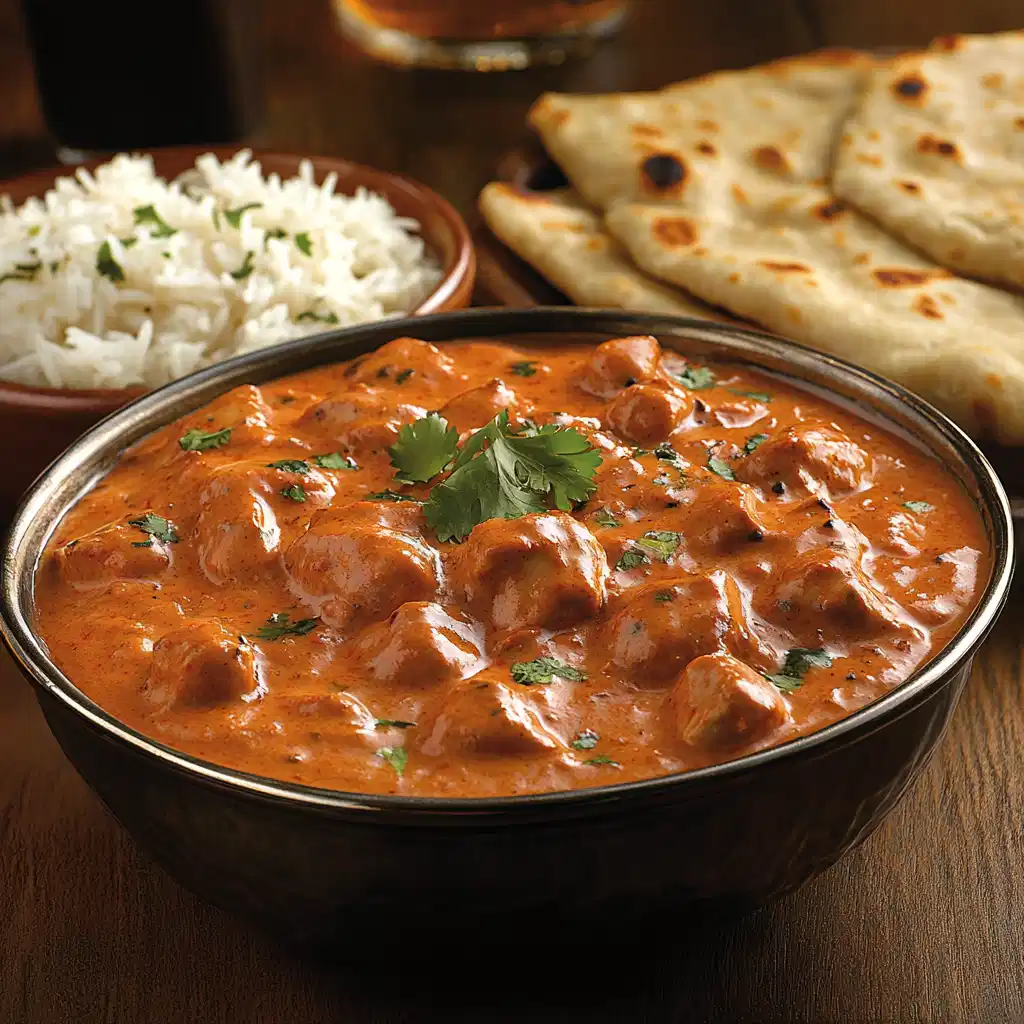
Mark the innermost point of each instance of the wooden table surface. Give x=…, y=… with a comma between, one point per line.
x=925, y=922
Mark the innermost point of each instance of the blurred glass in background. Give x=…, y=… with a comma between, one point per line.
x=119, y=75
x=478, y=35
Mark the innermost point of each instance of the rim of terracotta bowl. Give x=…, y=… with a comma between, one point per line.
x=453, y=291
x=74, y=472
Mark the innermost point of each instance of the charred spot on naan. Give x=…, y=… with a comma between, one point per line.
x=785, y=268
x=929, y=143
x=906, y=277
x=870, y=159
x=674, y=231
x=830, y=209
x=910, y=187
x=771, y=158
x=663, y=173
x=910, y=88
x=646, y=130
x=925, y=305
x=706, y=148
x=1018, y=123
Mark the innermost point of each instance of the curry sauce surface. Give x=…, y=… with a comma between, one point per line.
x=755, y=563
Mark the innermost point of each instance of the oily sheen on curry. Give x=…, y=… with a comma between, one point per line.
x=486, y=569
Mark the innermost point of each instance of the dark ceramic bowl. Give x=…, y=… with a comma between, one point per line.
x=313, y=863
x=54, y=417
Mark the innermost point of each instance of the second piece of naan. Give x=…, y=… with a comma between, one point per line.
x=935, y=153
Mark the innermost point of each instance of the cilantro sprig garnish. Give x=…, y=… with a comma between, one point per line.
x=545, y=670
x=424, y=448
x=798, y=662
x=155, y=526
x=918, y=506
x=279, y=625
x=500, y=473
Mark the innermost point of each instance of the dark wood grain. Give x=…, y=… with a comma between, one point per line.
x=925, y=922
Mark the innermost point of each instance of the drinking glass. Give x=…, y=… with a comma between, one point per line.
x=478, y=35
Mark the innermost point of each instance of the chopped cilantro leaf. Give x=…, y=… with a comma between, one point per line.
x=723, y=469
x=296, y=492
x=246, y=268
x=605, y=518
x=761, y=396
x=320, y=318
x=754, y=442
x=545, y=670
x=303, y=243
x=668, y=454
x=275, y=233
x=664, y=597
x=335, y=460
x=586, y=740
x=142, y=543
x=279, y=625
x=397, y=757
x=107, y=266
x=424, y=448
x=798, y=660
x=127, y=243
x=27, y=271
x=147, y=215
x=234, y=217
x=402, y=377
x=631, y=559
x=527, y=368
x=196, y=440
x=202, y=440
x=392, y=723
x=919, y=506
x=299, y=466
x=697, y=378
x=660, y=544
x=389, y=495
x=500, y=474
x=603, y=759
x=156, y=526
x=639, y=453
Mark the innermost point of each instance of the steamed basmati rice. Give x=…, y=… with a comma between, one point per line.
x=117, y=278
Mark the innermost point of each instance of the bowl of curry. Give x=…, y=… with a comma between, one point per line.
x=501, y=612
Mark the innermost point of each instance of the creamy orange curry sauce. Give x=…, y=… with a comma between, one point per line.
x=263, y=583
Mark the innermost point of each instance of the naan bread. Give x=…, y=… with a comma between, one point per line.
x=557, y=234
x=783, y=118
x=752, y=227
x=935, y=153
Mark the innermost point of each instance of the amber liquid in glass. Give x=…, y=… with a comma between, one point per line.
x=477, y=34
x=484, y=19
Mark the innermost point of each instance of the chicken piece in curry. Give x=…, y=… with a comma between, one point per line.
x=484, y=569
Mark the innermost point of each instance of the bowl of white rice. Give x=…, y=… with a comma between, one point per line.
x=122, y=275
